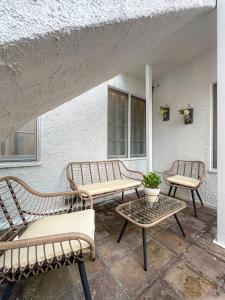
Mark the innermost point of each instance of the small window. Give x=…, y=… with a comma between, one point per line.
x=214, y=131
x=22, y=145
x=138, y=125
x=117, y=124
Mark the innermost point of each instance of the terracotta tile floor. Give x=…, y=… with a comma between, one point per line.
x=181, y=268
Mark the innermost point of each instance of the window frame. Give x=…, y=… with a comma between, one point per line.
x=212, y=168
x=128, y=157
x=14, y=160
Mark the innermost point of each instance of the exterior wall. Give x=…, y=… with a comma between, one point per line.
x=173, y=140
x=75, y=131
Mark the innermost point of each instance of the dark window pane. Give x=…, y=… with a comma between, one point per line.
x=138, y=125
x=117, y=124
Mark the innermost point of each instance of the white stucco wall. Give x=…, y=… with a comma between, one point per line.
x=190, y=84
x=77, y=130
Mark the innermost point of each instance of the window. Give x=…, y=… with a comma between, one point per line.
x=22, y=145
x=137, y=140
x=126, y=125
x=117, y=124
x=214, y=123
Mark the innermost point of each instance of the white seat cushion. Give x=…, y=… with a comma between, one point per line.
x=109, y=186
x=183, y=180
x=82, y=222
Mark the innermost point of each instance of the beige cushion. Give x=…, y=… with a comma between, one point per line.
x=82, y=222
x=183, y=180
x=109, y=186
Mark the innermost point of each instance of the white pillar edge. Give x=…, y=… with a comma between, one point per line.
x=220, y=123
x=148, y=91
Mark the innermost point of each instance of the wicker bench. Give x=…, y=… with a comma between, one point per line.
x=101, y=178
x=40, y=233
x=185, y=175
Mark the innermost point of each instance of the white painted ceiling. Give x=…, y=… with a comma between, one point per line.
x=188, y=42
x=52, y=51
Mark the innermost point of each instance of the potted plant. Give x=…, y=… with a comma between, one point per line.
x=151, y=183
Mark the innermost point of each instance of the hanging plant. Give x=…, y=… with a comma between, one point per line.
x=187, y=113
x=165, y=111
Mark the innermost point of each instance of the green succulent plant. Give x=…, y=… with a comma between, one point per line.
x=151, y=180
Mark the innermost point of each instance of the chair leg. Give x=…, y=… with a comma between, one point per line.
x=199, y=197
x=174, y=194
x=122, y=231
x=122, y=195
x=179, y=224
x=136, y=190
x=170, y=190
x=144, y=249
x=7, y=291
x=193, y=200
x=71, y=205
x=84, y=280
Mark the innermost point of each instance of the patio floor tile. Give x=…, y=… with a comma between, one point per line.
x=190, y=283
x=110, y=251
x=158, y=256
x=206, y=242
x=208, y=265
x=174, y=242
x=159, y=290
x=133, y=237
x=130, y=274
x=103, y=286
x=101, y=231
x=193, y=223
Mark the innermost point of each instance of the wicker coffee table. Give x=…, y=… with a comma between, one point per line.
x=144, y=214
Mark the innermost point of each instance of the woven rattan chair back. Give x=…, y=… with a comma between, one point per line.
x=82, y=173
x=194, y=169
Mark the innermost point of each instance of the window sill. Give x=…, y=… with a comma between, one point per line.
x=129, y=158
x=21, y=164
x=212, y=171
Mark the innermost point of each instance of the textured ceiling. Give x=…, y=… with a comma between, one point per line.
x=52, y=51
x=188, y=42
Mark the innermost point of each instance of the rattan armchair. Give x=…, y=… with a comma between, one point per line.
x=186, y=175
x=42, y=232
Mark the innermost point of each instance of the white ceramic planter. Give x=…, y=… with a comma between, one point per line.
x=152, y=194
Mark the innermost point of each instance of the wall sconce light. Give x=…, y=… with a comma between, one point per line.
x=165, y=111
x=188, y=114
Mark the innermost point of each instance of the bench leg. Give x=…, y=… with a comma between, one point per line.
x=170, y=190
x=136, y=190
x=144, y=249
x=7, y=291
x=174, y=194
x=84, y=280
x=122, y=195
x=122, y=231
x=199, y=197
x=194, y=206
x=179, y=224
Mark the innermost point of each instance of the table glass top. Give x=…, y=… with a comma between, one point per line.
x=142, y=211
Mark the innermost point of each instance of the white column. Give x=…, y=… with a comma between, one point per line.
x=148, y=88
x=221, y=122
